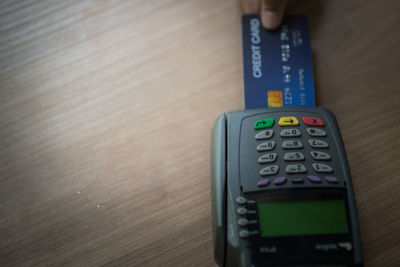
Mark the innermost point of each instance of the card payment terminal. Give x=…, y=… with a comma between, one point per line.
x=281, y=190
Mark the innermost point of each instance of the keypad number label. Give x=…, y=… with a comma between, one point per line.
x=270, y=170
x=290, y=133
x=267, y=158
x=296, y=168
x=292, y=144
x=315, y=143
x=293, y=156
x=319, y=155
x=319, y=167
x=266, y=146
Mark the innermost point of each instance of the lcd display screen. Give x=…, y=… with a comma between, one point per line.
x=302, y=216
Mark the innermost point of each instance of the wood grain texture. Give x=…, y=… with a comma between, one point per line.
x=106, y=109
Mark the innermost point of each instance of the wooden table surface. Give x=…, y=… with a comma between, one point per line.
x=106, y=110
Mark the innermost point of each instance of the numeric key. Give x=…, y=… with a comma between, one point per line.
x=266, y=146
x=319, y=155
x=292, y=144
x=315, y=143
x=293, y=156
x=296, y=168
x=290, y=133
x=267, y=158
x=270, y=170
x=319, y=167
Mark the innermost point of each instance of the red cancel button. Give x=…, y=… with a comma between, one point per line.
x=312, y=121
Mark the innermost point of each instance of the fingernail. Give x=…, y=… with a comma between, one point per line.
x=270, y=19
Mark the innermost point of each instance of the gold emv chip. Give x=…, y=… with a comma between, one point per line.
x=275, y=99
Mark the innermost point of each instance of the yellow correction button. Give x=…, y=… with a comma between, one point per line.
x=288, y=121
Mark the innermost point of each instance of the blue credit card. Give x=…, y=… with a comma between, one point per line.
x=277, y=65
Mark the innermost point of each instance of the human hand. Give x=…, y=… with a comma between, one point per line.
x=271, y=11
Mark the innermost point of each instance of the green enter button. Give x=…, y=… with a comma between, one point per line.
x=265, y=123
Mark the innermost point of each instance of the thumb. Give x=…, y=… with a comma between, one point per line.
x=272, y=13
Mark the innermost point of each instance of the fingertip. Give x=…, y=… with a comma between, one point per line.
x=270, y=19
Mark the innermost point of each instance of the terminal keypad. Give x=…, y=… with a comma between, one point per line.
x=293, y=134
